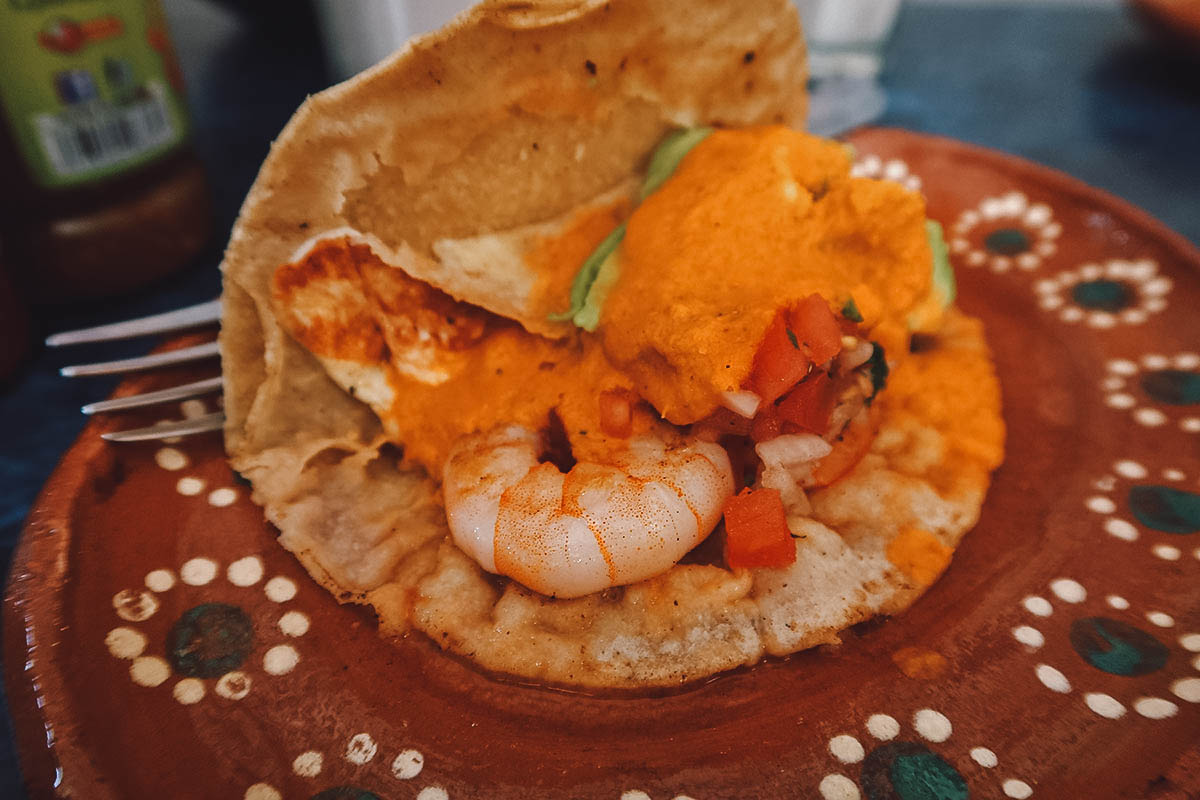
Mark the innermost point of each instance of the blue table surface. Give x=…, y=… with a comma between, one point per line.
x=1081, y=89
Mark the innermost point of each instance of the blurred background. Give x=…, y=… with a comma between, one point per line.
x=1105, y=90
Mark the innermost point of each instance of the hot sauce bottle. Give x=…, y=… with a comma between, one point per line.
x=100, y=191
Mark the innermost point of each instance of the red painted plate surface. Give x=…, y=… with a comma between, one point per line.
x=160, y=644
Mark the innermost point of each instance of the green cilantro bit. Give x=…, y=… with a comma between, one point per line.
x=792, y=338
x=879, y=370
x=670, y=152
x=587, y=274
x=850, y=311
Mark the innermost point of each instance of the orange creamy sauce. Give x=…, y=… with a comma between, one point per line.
x=753, y=220
x=341, y=302
x=556, y=259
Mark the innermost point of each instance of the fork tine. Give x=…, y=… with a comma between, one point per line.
x=185, y=427
x=181, y=318
x=151, y=398
x=168, y=358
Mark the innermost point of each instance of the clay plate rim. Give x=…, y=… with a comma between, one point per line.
x=33, y=603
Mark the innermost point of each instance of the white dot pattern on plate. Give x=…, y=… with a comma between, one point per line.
x=361, y=748
x=1117, y=602
x=189, y=486
x=984, y=757
x=149, y=671
x=1155, y=707
x=294, y=623
x=1104, y=705
x=1187, y=689
x=125, y=643
x=245, y=571
x=160, y=580
x=233, y=685
x=262, y=791
x=634, y=794
x=1167, y=552
x=170, y=459
x=1130, y=469
x=1190, y=642
x=1121, y=529
x=1018, y=790
x=222, y=497
x=134, y=605
x=883, y=727
x=1038, y=606
x=932, y=725
x=1028, y=636
x=846, y=749
x=433, y=793
x=1068, y=590
x=193, y=408
x=1101, y=505
x=1120, y=401
x=1160, y=619
x=408, y=765
x=189, y=691
x=198, y=571
x=280, y=659
x=1149, y=417
x=838, y=787
x=1052, y=679
x=308, y=764
x=280, y=589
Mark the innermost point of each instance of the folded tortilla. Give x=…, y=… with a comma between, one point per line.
x=451, y=162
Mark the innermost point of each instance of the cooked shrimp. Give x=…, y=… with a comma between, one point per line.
x=597, y=526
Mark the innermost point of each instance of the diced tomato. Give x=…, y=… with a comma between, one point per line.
x=616, y=413
x=767, y=424
x=808, y=405
x=756, y=531
x=779, y=362
x=848, y=450
x=816, y=328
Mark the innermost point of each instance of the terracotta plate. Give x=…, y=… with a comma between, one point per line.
x=160, y=644
x=1177, y=20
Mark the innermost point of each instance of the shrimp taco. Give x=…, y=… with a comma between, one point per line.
x=554, y=338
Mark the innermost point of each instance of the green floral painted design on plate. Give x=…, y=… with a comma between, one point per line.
x=1166, y=509
x=910, y=771
x=1117, y=648
x=210, y=640
x=1007, y=241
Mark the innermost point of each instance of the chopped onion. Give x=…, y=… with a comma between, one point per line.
x=853, y=358
x=744, y=404
x=795, y=501
x=792, y=449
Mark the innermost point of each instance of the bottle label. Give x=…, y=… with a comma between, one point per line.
x=89, y=88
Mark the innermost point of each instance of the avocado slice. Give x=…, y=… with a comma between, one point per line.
x=588, y=317
x=603, y=265
x=668, y=154
x=587, y=274
x=943, y=273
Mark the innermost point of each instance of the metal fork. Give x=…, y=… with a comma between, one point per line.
x=171, y=321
